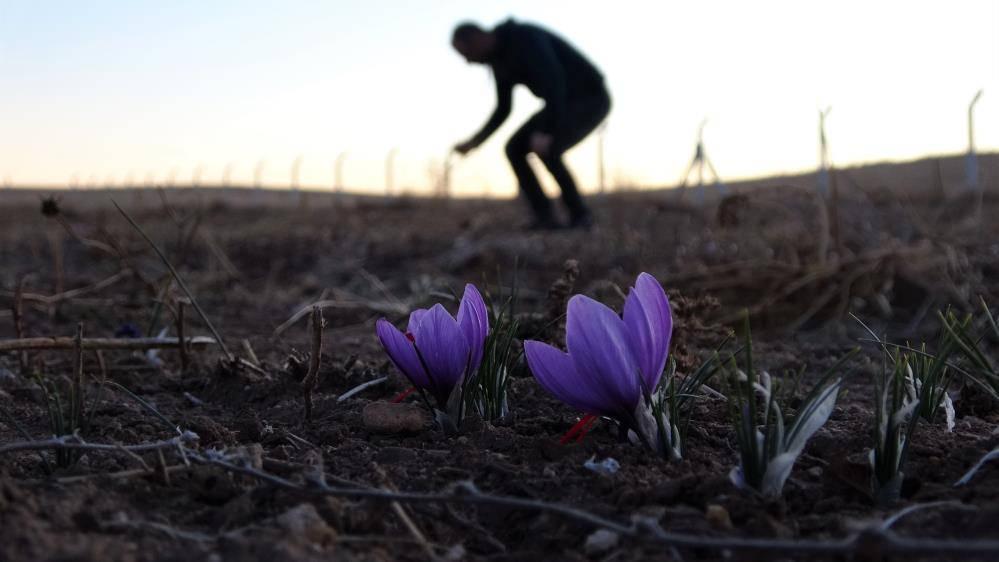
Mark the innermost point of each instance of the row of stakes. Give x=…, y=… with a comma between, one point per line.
x=700, y=164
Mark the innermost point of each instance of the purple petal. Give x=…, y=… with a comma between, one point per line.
x=474, y=322
x=557, y=374
x=650, y=326
x=401, y=351
x=444, y=349
x=414, y=321
x=598, y=345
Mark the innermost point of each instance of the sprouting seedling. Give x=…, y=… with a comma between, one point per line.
x=928, y=376
x=487, y=391
x=614, y=364
x=438, y=352
x=979, y=370
x=770, y=438
x=896, y=419
x=912, y=384
x=672, y=403
x=66, y=403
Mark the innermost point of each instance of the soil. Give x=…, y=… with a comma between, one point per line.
x=903, y=251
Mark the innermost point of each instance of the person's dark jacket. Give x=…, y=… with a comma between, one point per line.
x=544, y=62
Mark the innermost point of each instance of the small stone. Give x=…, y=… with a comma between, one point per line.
x=252, y=454
x=815, y=472
x=304, y=523
x=600, y=541
x=386, y=417
x=607, y=467
x=718, y=518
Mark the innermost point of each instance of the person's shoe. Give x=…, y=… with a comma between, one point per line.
x=582, y=222
x=545, y=224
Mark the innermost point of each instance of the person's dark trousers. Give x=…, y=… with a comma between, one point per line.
x=583, y=115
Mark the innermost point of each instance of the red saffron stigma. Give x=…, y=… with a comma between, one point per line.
x=410, y=337
x=579, y=430
x=402, y=395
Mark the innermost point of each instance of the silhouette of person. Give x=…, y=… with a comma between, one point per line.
x=576, y=102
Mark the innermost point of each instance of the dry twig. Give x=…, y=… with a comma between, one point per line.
x=312, y=376
x=180, y=282
x=873, y=541
x=102, y=343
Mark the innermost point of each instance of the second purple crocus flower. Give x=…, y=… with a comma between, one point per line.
x=438, y=351
x=613, y=363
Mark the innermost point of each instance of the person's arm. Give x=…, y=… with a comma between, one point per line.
x=548, y=77
x=504, y=101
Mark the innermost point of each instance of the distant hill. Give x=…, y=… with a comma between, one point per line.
x=932, y=173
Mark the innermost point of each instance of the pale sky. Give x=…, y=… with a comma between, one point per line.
x=109, y=90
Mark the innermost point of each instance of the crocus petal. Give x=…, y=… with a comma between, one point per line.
x=598, y=345
x=650, y=326
x=555, y=371
x=474, y=322
x=443, y=348
x=414, y=321
x=401, y=351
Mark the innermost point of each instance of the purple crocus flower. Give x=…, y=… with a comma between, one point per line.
x=612, y=362
x=438, y=351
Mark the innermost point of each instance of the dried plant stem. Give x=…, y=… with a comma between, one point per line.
x=76, y=406
x=312, y=376
x=869, y=540
x=220, y=255
x=17, y=309
x=834, y=225
x=250, y=353
x=822, y=245
x=403, y=516
x=88, y=242
x=182, y=343
x=383, y=307
x=55, y=244
x=180, y=281
x=121, y=474
x=73, y=442
x=363, y=386
x=72, y=293
x=872, y=540
x=101, y=343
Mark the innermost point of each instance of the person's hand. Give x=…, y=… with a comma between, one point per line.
x=541, y=143
x=464, y=148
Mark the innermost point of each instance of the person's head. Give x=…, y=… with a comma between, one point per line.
x=473, y=42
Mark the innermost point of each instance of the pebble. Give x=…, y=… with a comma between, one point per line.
x=600, y=541
x=303, y=523
x=718, y=517
x=386, y=417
